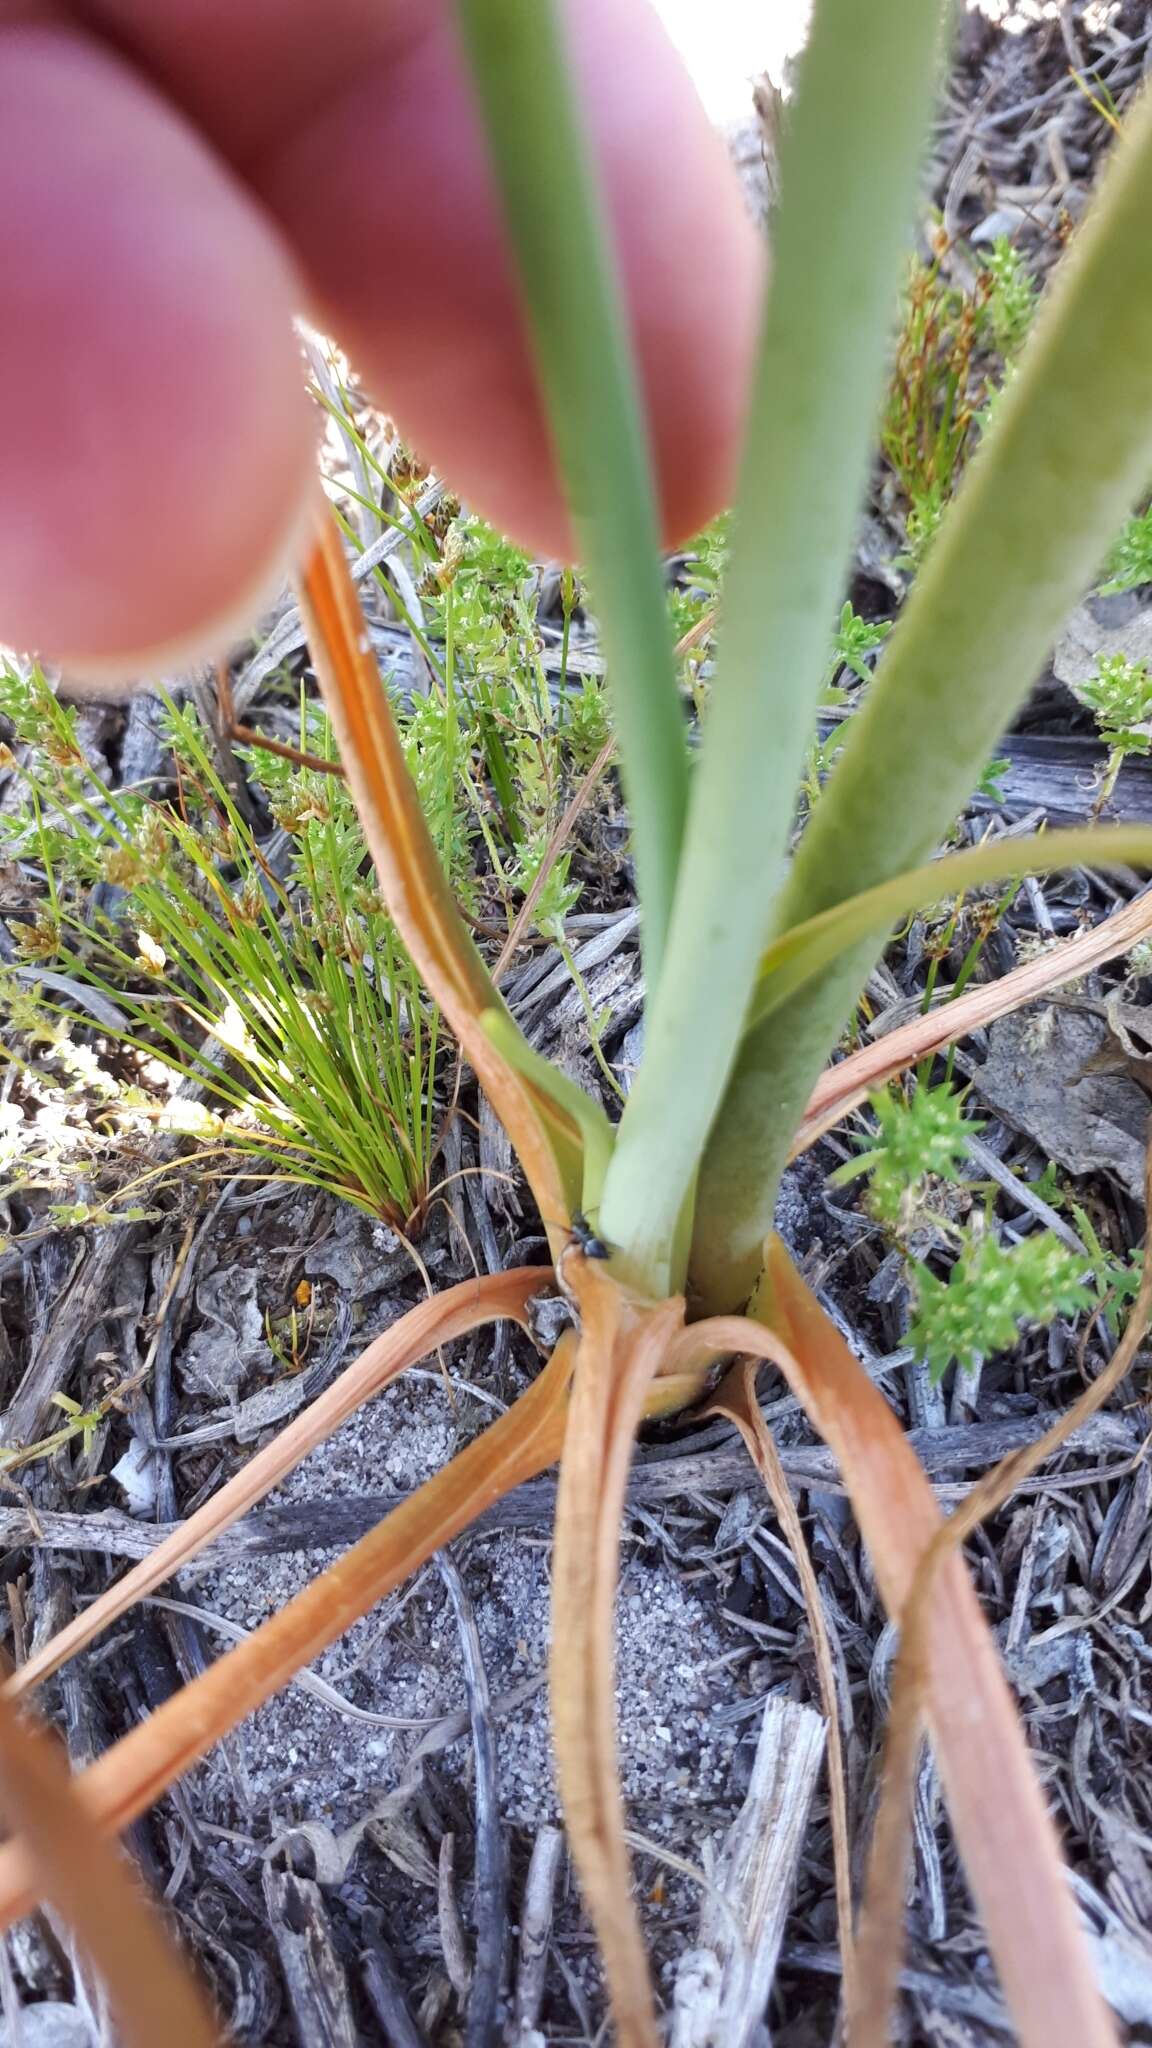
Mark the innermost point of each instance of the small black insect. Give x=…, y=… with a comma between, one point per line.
x=593, y=1247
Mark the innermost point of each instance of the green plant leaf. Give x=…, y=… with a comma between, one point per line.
x=587, y=1115
x=800, y=954
x=1036, y=509
x=849, y=159
x=1034, y=513
x=556, y=223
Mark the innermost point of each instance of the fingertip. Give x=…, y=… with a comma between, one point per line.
x=214, y=637
x=396, y=163
x=157, y=440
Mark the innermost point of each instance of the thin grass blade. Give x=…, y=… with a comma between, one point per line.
x=557, y=227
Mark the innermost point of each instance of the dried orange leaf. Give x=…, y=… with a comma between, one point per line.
x=1003, y=1828
x=411, y=878
x=451, y=1314
x=154, y=1995
x=845, y=1086
x=623, y=1344
x=122, y=1784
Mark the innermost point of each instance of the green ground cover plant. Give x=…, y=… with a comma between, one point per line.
x=916, y=1155
x=286, y=997
x=1119, y=695
x=1130, y=559
x=955, y=353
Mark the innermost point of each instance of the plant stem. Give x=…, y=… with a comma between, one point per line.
x=849, y=159
x=1033, y=517
x=583, y=355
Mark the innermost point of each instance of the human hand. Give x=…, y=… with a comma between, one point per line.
x=180, y=180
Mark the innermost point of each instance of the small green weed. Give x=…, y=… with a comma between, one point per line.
x=992, y=1290
x=287, y=997
x=495, y=750
x=920, y=1138
x=853, y=642
x=930, y=421
x=1009, y=298
x=1116, y=1280
x=991, y=783
x=1130, y=563
x=80, y=1424
x=991, y=1293
x=1119, y=695
x=955, y=353
x=697, y=588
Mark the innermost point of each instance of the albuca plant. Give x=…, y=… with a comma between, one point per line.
x=753, y=960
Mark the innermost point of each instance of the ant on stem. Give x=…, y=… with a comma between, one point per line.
x=592, y=1246
x=582, y=1238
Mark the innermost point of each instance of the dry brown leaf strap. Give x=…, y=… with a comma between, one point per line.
x=437, y=1321
x=882, y=1918
x=623, y=1344
x=1002, y=1825
x=736, y=1399
x=154, y=1996
x=411, y=878
x=845, y=1086
x=124, y=1782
